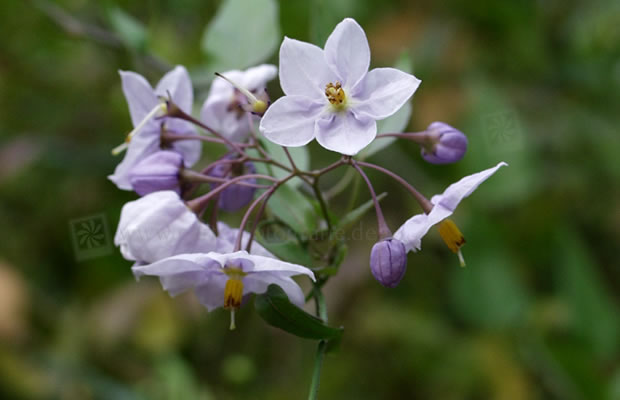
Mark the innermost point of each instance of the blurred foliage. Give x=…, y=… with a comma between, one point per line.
x=533, y=316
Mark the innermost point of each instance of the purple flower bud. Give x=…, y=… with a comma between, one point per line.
x=445, y=144
x=234, y=197
x=159, y=171
x=388, y=262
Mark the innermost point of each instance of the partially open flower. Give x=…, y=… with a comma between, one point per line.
x=443, y=144
x=388, y=262
x=234, y=197
x=412, y=231
x=160, y=225
x=221, y=280
x=159, y=171
x=148, y=111
x=225, y=109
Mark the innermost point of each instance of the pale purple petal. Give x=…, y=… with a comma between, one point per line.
x=226, y=241
x=189, y=149
x=216, y=114
x=182, y=282
x=258, y=283
x=345, y=133
x=211, y=294
x=412, y=231
x=178, y=84
x=160, y=225
x=347, y=52
x=139, y=95
x=303, y=69
x=277, y=267
x=290, y=120
x=383, y=92
x=143, y=144
x=456, y=192
x=179, y=264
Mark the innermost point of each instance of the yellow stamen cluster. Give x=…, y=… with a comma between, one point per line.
x=453, y=238
x=233, y=292
x=335, y=94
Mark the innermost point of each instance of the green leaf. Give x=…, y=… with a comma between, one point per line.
x=356, y=214
x=130, y=30
x=294, y=209
x=242, y=34
x=275, y=308
x=395, y=123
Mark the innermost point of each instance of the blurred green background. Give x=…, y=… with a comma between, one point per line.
x=533, y=316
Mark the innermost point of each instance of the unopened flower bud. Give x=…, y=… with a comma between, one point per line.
x=444, y=144
x=159, y=171
x=234, y=197
x=388, y=262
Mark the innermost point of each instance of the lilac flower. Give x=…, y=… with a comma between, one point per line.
x=412, y=231
x=227, y=236
x=331, y=96
x=224, y=110
x=388, y=262
x=159, y=171
x=160, y=225
x=235, y=196
x=145, y=108
x=221, y=280
x=444, y=144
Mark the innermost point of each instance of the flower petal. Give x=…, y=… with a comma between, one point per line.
x=347, y=52
x=176, y=265
x=258, y=283
x=456, y=192
x=256, y=78
x=211, y=293
x=143, y=144
x=290, y=120
x=226, y=241
x=383, y=92
x=303, y=69
x=262, y=264
x=345, y=133
x=179, y=85
x=139, y=94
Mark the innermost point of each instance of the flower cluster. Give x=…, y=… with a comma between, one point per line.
x=173, y=231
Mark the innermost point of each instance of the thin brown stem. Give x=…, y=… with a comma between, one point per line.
x=384, y=231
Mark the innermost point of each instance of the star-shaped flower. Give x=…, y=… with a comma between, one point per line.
x=143, y=102
x=221, y=280
x=412, y=231
x=331, y=95
x=224, y=109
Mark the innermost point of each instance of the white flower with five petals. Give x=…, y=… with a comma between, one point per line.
x=331, y=95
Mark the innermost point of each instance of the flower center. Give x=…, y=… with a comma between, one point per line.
x=335, y=94
x=453, y=238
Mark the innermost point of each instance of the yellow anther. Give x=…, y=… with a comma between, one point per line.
x=335, y=94
x=453, y=238
x=259, y=107
x=233, y=293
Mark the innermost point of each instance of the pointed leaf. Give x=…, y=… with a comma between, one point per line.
x=275, y=308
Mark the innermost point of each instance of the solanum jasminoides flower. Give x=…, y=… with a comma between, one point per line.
x=160, y=225
x=331, y=95
x=159, y=171
x=147, y=111
x=412, y=231
x=388, y=262
x=444, y=144
x=221, y=280
x=224, y=109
